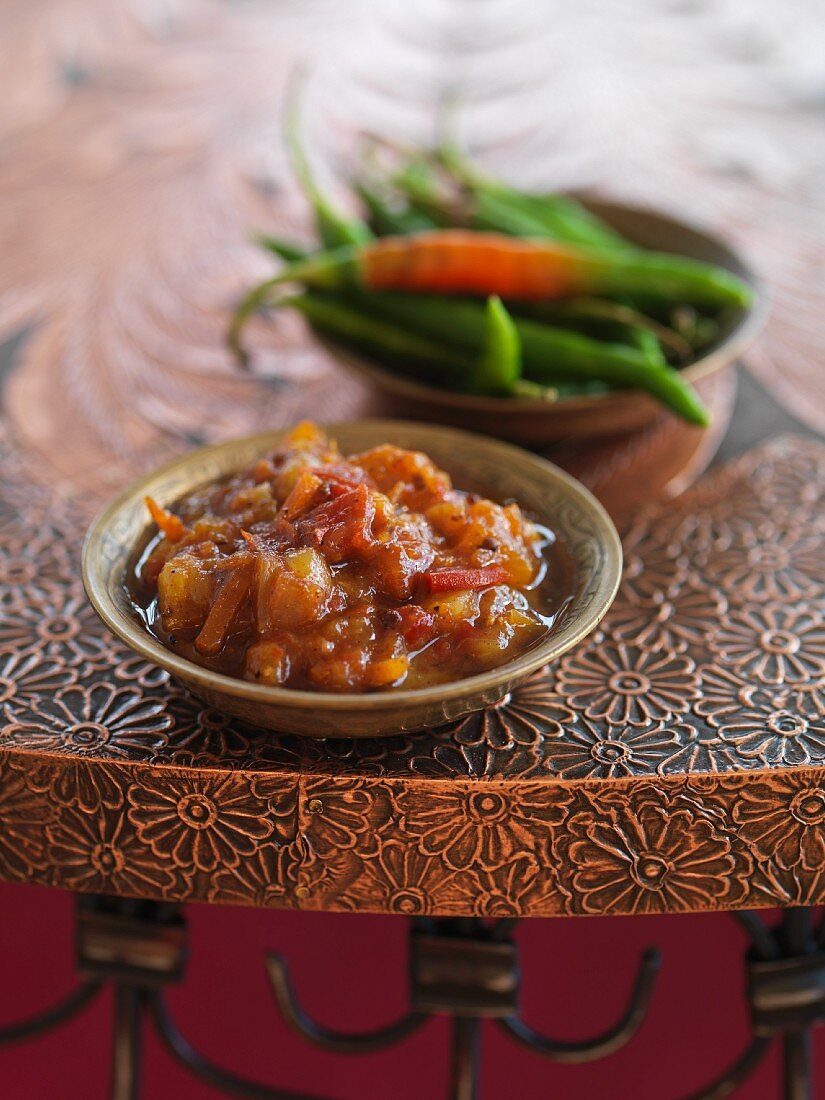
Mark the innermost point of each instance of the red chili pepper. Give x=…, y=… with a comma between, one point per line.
x=456, y=580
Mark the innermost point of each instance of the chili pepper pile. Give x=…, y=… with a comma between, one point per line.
x=464, y=282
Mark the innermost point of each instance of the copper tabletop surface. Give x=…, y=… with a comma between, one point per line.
x=674, y=761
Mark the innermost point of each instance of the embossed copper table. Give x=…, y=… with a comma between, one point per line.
x=675, y=762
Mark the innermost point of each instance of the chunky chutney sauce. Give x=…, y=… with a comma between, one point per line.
x=314, y=571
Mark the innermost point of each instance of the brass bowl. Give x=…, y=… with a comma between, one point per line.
x=536, y=422
x=120, y=533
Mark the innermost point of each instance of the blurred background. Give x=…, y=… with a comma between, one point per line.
x=140, y=144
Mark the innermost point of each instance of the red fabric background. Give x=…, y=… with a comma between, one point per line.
x=350, y=971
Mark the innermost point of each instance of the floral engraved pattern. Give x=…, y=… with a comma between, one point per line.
x=628, y=686
x=101, y=852
x=677, y=623
x=653, y=568
x=520, y=888
x=479, y=826
x=79, y=783
x=133, y=669
x=24, y=676
x=775, y=734
x=593, y=751
x=201, y=729
x=775, y=644
x=662, y=859
x=513, y=734
x=700, y=749
x=22, y=823
x=674, y=761
x=270, y=877
x=785, y=821
x=57, y=627
x=786, y=566
x=95, y=721
x=402, y=880
x=341, y=816
x=201, y=825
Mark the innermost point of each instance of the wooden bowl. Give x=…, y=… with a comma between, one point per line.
x=120, y=533
x=535, y=422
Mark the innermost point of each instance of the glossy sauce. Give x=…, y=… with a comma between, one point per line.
x=317, y=572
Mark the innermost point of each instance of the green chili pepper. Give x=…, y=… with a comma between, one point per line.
x=282, y=248
x=333, y=228
x=499, y=367
x=504, y=209
x=386, y=219
x=356, y=325
x=550, y=356
x=580, y=313
x=475, y=266
x=566, y=219
x=644, y=340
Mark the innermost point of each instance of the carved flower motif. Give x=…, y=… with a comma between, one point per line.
x=627, y=686
x=808, y=698
x=504, y=738
x=133, y=669
x=798, y=475
x=77, y=783
x=477, y=825
x=784, y=567
x=203, y=730
x=767, y=729
x=723, y=693
x=61, y=627
x=531, y=711
x=362, y=756
x=280, y=793
x=326, y=880
x=201, y=822
x=701, y=750
x=523, y=889
x=784, y=821
x=776, y=645
x=268, y=878
x=789, y=886
x=96, y=721
x=685, y=619
x=401, y=880
x=343, y=815
x=22, y=827
x=653, y=859
x=268, y=751
x=100, y=853
x=653, y=568
x=25, y=675
x=36, y=557
x=588, y=750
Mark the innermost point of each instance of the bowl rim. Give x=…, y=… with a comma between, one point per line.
x=137, y=638
x=742, y=332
